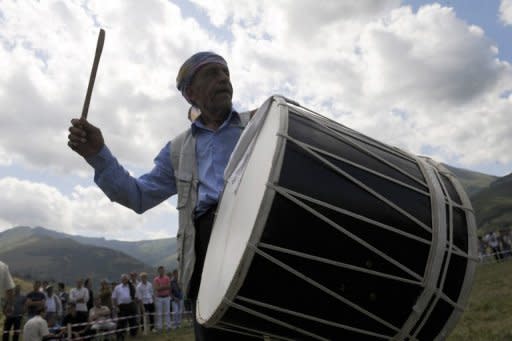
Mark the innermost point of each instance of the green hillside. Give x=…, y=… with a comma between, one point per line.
x=151, y=252
x=493, y=205
x=46, y=258
x=473, y=182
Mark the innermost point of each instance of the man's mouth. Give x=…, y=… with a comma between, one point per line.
x=223, y=92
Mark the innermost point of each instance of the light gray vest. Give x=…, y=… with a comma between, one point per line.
x=184, y=163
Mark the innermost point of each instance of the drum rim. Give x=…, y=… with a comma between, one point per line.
x=469, y=277
x=243, y=267
x=435, y=257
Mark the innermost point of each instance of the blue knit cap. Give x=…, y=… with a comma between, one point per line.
x=192, y=65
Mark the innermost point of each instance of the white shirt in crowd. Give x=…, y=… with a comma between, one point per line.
x=54, y=305
x=145, y=292
x=75, y=294
x=121, y=294
x=6, y=281
x=35, y=329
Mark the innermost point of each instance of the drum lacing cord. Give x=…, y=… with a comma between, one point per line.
x=309, y=317
x=356, y=165
x=273, y=320
x=359, y=183
x=259, y=332
x=364, y=150
x=355, y=215
x=323, y=288
x=352, y=236
x=338, y=264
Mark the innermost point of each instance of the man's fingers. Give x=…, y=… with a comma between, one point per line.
x=76, y=139
x=77, y=131
x=72, y=145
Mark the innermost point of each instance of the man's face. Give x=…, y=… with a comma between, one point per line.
x=161, y=271
x=124, y=279
x=79, y=283
x=97, y=302
x=37, y=285
x=144, y=278
x=211, y=89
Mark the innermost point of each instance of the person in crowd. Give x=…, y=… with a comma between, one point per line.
x=199, y=154
x=494, y=243
x=43, y=287
x=78, y=327
x=63, y=296
x=177, y=299
x=80, y=296
x=36, y=328
x=505, y=243
x=134, y=281
x=162, y=289
x=13, y=310
x=36, y=300
x=88, y=286
x=134, y=278
x=123, y=299
x=99, y=316
x=6, y=282
x=105, y=294
x=144, y=297
x=53, y=304
x=54, y=328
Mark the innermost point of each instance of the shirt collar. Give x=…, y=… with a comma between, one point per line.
x=232, y=119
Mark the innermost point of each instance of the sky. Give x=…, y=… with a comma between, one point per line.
x=433, y=78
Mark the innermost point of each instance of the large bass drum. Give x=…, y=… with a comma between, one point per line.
x=323, y=233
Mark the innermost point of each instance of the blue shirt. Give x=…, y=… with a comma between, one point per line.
x=213, y=149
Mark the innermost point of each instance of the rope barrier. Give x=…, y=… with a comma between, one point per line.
x=144, y=326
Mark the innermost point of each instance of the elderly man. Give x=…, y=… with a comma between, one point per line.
x=144, y=295
x=191, y=165
x=123, y=298
x=80, y=296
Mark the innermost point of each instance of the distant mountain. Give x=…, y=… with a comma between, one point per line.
x=47, y=258
x=152, y=252
x=473, y=182
x=493, y=205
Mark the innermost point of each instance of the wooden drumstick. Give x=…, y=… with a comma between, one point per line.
x=99, y=48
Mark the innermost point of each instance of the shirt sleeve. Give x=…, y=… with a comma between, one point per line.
x=138, y=292
x=138, y=194
x=43, y=328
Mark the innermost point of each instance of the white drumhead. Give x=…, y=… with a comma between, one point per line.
x=237, y=212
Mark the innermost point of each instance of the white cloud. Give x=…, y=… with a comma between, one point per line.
x=506, y=12
x=441, y=74
x=425, y=81
x=134, y=101
x=86, y=212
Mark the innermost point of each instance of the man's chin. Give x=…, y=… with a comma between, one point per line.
x=224, y=106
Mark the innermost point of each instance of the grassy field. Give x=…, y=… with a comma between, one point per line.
x=489, y=314
x=488, y=317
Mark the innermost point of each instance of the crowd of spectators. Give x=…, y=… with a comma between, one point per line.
x=50, y=311
x=495, y=245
